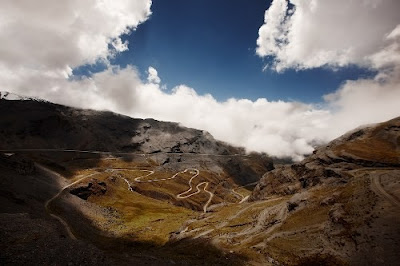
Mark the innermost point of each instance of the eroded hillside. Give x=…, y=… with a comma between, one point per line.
x=126, y=185
x=341, y=205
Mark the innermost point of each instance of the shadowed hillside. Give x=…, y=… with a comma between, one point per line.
x=125, y=185
x=33, y=124
x=158, y=193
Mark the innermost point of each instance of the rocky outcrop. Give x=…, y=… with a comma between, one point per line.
x=368, y=147
x=337, y=214
x=297, y=201
x=288, y=180
x=330, y=200
x=94, y=187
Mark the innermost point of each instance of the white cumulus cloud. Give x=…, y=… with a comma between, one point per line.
x=153, y=75
x=335, y=33
x=285, y=129
x=38, y=54
x=309, y=34
x=55, y=36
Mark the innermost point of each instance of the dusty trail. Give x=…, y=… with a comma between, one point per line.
x=243, y=198
x=124, y=153
x=47, y=203
x=193, y=171
x=280, y=213
x=195, y=174
x=377, y=187
x=138, y=179
x=238, y=194
x=203, y=186
x=209, y=199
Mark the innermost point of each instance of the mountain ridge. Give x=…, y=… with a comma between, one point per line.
x=370, y=146
x=47, y=122
x=165, y=194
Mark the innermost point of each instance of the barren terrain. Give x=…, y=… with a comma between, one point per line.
x=194, y=202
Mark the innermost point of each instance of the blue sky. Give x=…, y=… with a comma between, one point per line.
x=210, y=46
x=347, y=49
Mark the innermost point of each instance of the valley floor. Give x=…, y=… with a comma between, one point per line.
x=177, y=209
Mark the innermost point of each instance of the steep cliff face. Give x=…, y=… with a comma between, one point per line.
x=368, y=147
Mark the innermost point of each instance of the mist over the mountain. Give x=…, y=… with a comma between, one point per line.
x=140, y=132
x=279, y=128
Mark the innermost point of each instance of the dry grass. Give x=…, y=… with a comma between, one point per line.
x=380, y=145
x=307, y=217
x=234, y=217
x=243, y=191
x=140, y=218
x=144, y=219
x=371, y=150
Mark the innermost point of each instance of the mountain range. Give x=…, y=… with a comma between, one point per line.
x=139, y=191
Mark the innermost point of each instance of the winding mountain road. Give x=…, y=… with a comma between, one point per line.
x=47, y=203
x=182, y=195
x=193, y=171
x=377, y=186
x=244, y=198
x=179, y=196
x=124, y=153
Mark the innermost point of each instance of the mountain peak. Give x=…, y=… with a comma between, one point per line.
x=5, y=95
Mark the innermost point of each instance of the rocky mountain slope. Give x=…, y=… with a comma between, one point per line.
x=124, y=185
x=162, y=194
x=339, y=206
x=369, y=147
x=30, y=123
x=346, y=196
